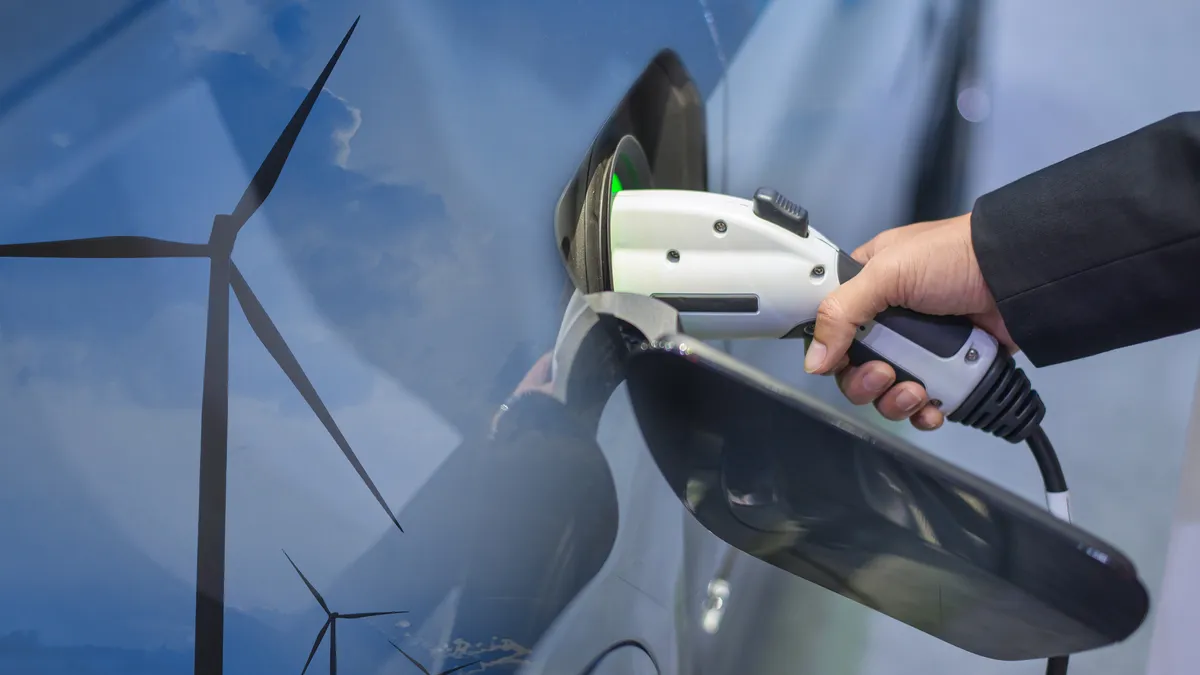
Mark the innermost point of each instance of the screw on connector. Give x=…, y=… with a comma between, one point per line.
x=720, y=226
x=818, y=271
x=972, y=355
x=673, y=255
x=1003, y=404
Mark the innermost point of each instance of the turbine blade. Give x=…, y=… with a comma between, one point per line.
x=105, y=247
x=411, y=659
x=25, y=88
x=367, y=615
x=311, y=589
x=270, y=337
x=458, y=668
x=268, y=172
x=313, y=652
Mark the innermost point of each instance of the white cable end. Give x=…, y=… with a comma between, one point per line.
x=1059, y=504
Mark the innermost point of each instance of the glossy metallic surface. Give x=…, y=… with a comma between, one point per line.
x=399, y=282
x=812, y=492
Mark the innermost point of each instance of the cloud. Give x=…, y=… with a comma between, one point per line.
x=439, y=200
x=234, y=26
x=435, y=636
x=410, y=254
x=288, y=481
x=107, y=385
x=343, y=135
x=435, y=137
x=409, y=286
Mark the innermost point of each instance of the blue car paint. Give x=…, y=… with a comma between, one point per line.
x=405, y=255
x=83, y=582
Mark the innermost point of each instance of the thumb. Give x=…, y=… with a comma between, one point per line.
x=851, y=305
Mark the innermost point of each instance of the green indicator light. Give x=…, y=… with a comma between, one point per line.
x=616, y=185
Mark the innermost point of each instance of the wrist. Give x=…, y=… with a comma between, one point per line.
x=528, y=411
x=989, y=317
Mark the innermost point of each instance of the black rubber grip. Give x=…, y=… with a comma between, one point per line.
x=1003, y=404
x=858, y=353
x=944, y=336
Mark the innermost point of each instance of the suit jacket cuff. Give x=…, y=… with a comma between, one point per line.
x=1009, y=259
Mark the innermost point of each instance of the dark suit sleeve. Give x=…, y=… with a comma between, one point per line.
x=1101, y=250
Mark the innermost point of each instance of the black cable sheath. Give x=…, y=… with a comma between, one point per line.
x=1055, y=481
x=1056, y=666
x=1047, y=461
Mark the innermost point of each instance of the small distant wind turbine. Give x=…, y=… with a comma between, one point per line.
x=423, y=669
x=214, y=408
x=330, y=623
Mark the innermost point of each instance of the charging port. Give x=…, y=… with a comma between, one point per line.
x=663, y=110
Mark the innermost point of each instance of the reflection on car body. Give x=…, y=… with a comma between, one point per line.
x=402, y=263
x=1007, y=581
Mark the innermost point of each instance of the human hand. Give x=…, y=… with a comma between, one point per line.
x=927, y=267
x=538, y=379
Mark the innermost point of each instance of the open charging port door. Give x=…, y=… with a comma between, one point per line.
x=831, y=500
x=795, y=484
x=664, y=111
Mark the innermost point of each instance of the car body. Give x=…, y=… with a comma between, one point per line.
x=406, y=257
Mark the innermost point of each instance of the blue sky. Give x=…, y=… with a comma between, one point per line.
x=405, y=249
x=404, y=254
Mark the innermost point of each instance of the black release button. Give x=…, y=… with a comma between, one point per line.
x=775, y=208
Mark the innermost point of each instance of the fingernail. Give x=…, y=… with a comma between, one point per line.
x=908, y=401
x=875, y=380
x=815, y=356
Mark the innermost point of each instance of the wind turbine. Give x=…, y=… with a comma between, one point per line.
x=331, y=619
x=425, y=670
x=214, y=411
x=25, y=88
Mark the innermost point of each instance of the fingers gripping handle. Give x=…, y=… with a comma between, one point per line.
x=965, y=371
x=949, y=380
x=946, y=355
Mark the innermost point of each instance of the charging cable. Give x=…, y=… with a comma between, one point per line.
x=1058, y=501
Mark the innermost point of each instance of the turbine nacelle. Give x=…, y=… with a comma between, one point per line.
x=214, y=411
x=330, y=625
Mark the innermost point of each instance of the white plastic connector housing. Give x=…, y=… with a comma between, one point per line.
x=750, y=257
x=685, y=243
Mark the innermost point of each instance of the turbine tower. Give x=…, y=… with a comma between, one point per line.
x=331, y=619
x=214, y=410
